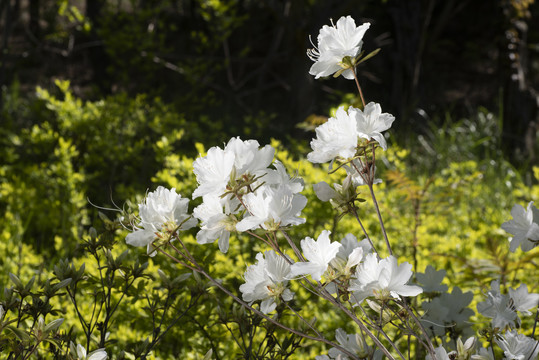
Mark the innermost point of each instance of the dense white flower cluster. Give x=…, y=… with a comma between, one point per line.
x=241, y=192
x=244, y=190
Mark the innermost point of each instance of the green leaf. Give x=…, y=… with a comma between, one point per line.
x=19, y=333
x=208, y=355
x=53, y=325
x=369, y=55
x=62, y=284
x=16, y=280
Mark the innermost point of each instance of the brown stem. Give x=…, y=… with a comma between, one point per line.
x=358, y=87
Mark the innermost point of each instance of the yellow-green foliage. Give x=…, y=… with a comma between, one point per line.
x=449, y=219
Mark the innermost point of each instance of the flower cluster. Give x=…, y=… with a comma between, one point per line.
x=244, y=190
x=241, y=192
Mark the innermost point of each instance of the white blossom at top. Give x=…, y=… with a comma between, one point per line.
x=162, y=211
x=272, y=209
x=383, y=279
x=371, y=122
x=518, y=346
x=267, y=281
x=217, y=220
x=334, y=43
x=522, y=227
x=318, y=254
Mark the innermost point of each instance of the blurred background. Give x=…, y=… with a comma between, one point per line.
x=103, y=100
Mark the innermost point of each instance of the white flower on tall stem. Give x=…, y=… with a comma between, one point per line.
x=335, y=43
x=318, y=253
x=162, y=212
x=267, y=281
x=335, y=138
x=523, y=228
x=371, y=122
x=340, y=135
x=218, y=221
x=518, y=346
x=382, y=278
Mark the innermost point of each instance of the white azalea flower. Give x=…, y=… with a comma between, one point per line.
x=248, y=157
x=371, y=122
x=217, y=221
x=498, y=307
x=336, y=137
x=279, y=177
x=518, y=346
x=522, y=300
x=272, y=209
x=334, y=43
x=267, y=281
x=339, y=136
x=523, y=228
x=213, y=172
x=431, y=280
x=383, y=279
x=318, y=254
x=162, y=211
x=350, y=254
